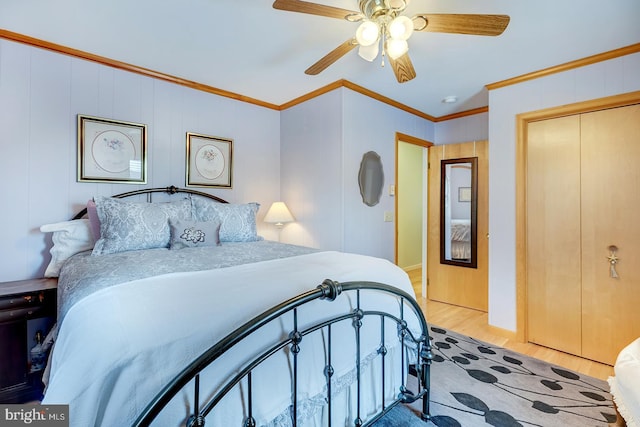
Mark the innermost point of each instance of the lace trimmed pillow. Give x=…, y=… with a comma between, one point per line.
x=238, y=221
x=130, y=226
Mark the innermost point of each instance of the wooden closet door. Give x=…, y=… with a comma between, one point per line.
x=553, y=234
x=610, y=216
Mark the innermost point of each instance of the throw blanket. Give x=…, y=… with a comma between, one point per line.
x=84, y=274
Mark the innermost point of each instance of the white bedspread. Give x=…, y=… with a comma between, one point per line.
x=119, y=346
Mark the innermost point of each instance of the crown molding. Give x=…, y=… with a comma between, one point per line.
x=616, y=53
x=76, y=53
x=359, y=89
x=43, y=44
x=460, y=114
x=31, y=41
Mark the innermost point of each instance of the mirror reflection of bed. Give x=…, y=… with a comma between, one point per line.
x=460, y=243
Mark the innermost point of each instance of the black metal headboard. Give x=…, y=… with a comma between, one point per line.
x=169, y=190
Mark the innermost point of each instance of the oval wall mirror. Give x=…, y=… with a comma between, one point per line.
x=458, y=211
x=371, y=178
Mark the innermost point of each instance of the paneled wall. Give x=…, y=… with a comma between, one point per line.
x=42, y=92
x=606, y=78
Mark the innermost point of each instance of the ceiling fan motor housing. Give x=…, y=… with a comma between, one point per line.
x=373, y=9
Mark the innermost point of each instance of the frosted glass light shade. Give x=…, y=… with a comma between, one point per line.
x=401, y=28
x=369, y=52
x=396, y=48
x=278, y=214
x=367, y=33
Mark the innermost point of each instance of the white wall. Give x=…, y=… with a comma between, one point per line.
x=599, y=80
x=41, y=93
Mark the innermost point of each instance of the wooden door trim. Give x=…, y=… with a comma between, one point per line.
x=522, y=122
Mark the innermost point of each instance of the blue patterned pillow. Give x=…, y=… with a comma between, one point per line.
x=130, y=226
x=194, y=234
x=238, y=221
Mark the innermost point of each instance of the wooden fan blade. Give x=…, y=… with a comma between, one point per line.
x=481, y=25
x=316, y=9
x=331, y=57
x=403, y=68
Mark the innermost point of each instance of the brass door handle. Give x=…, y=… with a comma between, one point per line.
x=613, y=260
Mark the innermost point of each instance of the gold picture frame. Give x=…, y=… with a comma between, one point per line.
x=111, y=151
x=209, y=161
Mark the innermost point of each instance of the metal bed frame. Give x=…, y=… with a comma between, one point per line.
x=149, y=193
x=328, y=291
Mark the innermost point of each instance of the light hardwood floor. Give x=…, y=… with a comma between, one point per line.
x=475, y=324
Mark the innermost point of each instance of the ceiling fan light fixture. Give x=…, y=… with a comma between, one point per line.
x=367, y=33
x=369, y=52
x=400, y=28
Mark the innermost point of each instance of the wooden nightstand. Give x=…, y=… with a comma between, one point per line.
x=27, y=313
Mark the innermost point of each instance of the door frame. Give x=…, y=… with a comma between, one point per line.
x=402, y=137
x=522, y=122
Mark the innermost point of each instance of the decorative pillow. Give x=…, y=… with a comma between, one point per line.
x=129, y=226
x=94, y=221
x=238, y=221
x=194, y=234
x=69, y=238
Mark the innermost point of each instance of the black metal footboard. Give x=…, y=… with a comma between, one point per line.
x=410, y=342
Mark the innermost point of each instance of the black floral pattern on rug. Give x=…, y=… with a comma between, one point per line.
x=474, y=383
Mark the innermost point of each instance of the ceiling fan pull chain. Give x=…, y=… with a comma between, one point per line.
x=382, y=43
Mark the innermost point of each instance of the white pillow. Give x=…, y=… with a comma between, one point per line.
x=69, y=238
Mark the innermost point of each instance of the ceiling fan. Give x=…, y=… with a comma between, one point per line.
x=383, y=28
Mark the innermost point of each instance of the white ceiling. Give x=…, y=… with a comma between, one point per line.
x=249, y=48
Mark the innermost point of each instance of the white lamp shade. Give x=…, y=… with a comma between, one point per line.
x=367, y=33
x=278, y=214
x=369, y=52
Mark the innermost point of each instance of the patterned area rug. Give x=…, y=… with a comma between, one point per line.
x=474, y=384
